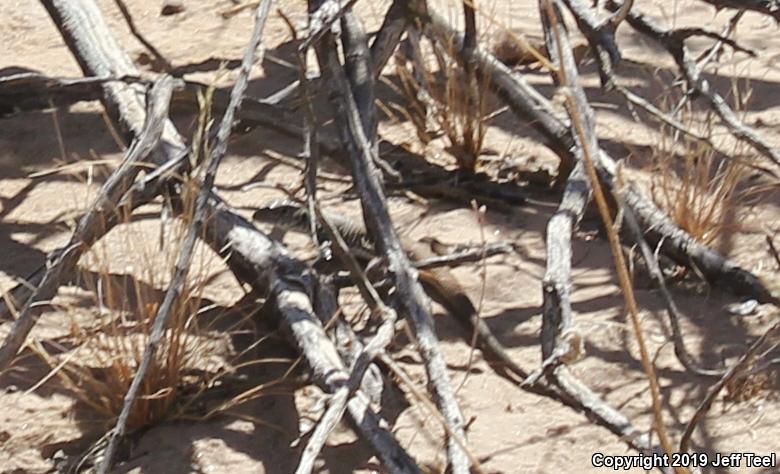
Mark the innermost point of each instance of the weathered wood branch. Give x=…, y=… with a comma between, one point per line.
x=97, y=52
x=271, y=269
x=413, y=300
x=29, y=91
x=234, y=238
x=771, y=335
x=583, y=130
x=357, y=66
x=654, y=270
x=601, y=37
x=767, y=7
x=181, y=270
x=389, y=35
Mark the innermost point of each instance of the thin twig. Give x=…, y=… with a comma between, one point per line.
x=772, y=249
x=583, y=124
x=321, y=20
x=188, y=245
x=361, y=154
x=166, y=65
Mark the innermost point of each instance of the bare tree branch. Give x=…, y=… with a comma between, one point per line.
x=188, y=245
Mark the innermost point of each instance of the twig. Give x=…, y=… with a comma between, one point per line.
x=600, y=35
x=329, y=420
x=583, y=124
x=528, y=104
x=772, y=249
x=166, y=65
x=651, y=261
x=766, y=7
x=674, y=42
x=311, y=149
x=464, y=256
x=34, y=91
x=389, y=35
x=360, y=152
x=323, y=18
x=417, y=394
x=188, y=245
x=270, y=269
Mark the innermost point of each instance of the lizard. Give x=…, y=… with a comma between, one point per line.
x=439, y=282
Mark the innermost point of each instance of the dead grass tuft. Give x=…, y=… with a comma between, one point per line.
x=442, y=101
x=699, y=186
x=108, y=343
x=108, y=348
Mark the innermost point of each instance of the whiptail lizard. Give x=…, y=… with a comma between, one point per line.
x=440, y=284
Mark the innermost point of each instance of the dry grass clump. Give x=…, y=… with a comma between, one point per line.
x=441, y=100
x=108, y=348
x=701, y=188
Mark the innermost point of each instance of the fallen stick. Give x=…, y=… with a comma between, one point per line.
x=674, y=42
x=600, y=35
x=413, y=301
x=100, y=57
x=270, y=268
x=772, y=333
x=583, y=130
x=766, y=7
x=29, y=91
x=389, y=35
x=361, y=360
x=188, y=246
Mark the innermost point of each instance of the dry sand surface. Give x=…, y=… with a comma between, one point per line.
x=510, y=430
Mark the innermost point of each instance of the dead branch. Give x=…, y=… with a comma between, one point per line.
x=357, y=66
x=158, y=57
x=30, y=91
x=674, y=42
x=270, y=268
x=556, y=284
x=389, y=35
x=185, y=256
x=464, y=256
x=735, y=370
x=242, y=246
x=601, y=37
x=385, y=42
x=661, y=232
x=413, y=300
x=97, y=52
x=322, y=19
x=583, y=130
x=360, y=360
x=653, y=268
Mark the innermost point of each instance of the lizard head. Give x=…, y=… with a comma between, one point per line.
x=281, y=213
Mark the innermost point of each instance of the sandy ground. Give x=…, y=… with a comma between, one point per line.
x=509, y=430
